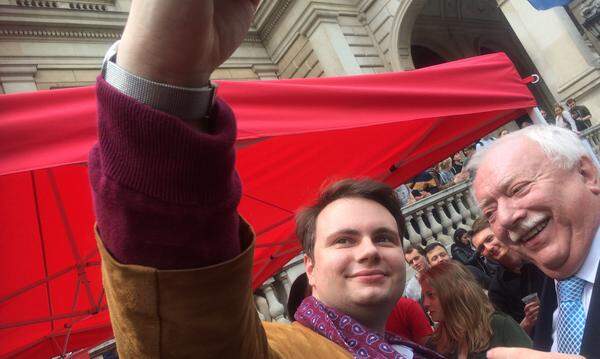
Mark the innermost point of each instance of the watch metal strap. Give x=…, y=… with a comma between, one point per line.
x=184, y=102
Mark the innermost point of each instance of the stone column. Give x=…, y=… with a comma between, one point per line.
x=557, y=50
x=330, y=45
x=17, y=78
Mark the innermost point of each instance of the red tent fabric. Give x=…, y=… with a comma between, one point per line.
x=293, y=135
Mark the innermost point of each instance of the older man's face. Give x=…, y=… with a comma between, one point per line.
x=358, y=260
x=539, y=209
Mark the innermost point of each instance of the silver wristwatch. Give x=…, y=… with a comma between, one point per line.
x=183, y=102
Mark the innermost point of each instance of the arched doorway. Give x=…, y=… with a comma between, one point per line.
x=423, y=56
x=426, y=31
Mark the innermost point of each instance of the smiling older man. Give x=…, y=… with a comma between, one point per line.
x=540, y=191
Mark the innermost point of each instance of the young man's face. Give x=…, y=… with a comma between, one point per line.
x=437, y=255
x=571, y=104
x=416, y=260
x=487, y=244
x=358, y=261
x=545, y=212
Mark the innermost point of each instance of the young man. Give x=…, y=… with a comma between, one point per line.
x=581, y=115
x=540, y=191
x=514, y=279
x=415, y=257
x=176, y=256
x=436, y=253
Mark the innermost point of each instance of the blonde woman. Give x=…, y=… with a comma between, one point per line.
x=467, y=324
x=563, y=118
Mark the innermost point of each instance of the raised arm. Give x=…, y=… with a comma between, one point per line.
x=166, y=193
x=159, y=186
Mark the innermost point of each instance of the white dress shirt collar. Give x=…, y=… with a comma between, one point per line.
x=589, y=268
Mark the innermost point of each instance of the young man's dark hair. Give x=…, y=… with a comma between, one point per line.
x=411, y=247
x=479, y=225
x=306, y=219
x=432, y=246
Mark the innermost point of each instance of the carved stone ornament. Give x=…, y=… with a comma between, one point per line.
x=590, y=11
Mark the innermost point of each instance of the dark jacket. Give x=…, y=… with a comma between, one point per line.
x=508, y=288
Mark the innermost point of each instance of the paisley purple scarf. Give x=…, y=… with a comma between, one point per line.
x=349, y=334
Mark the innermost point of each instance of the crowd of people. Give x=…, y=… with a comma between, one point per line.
x=177, y=257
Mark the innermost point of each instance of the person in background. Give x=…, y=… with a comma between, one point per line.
x=300, y=290
x=444, y=171
x=436, y=253
x=423, y=185
x=581, y=115
x=408, y=320
x=545, y=115
x=457, y=163
x=540, y=190
x=465, y=174
x=525, y=123
x=404, y=195
x=415, y=257
x=462, y=251
x=514, y=282
x=467, y=323
x=563, y=119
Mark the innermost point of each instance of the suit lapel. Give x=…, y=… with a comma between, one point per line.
x=590, y=348
x=543, y=329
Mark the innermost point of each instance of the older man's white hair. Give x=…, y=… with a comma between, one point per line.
x=561, y=146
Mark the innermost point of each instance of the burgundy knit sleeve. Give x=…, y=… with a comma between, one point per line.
x=165, y=194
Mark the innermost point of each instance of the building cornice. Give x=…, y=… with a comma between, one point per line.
x=311, y=17
x=268, y=15
x=61, y=24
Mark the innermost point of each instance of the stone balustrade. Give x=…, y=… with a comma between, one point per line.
x=592, y=135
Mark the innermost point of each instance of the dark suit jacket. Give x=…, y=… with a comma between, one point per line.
x=590, y=347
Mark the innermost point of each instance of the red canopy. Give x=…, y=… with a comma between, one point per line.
x=293, y=136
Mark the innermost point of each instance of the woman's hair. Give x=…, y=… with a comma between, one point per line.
x=458, y=234
x=467, y=309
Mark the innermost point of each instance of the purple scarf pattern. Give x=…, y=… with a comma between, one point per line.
x=351, y=335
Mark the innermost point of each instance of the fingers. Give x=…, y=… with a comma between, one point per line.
x=502, y=353
x=510, y=353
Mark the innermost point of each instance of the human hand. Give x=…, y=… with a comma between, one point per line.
x=511, y=353
x=532, y=310
x=182, y=42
